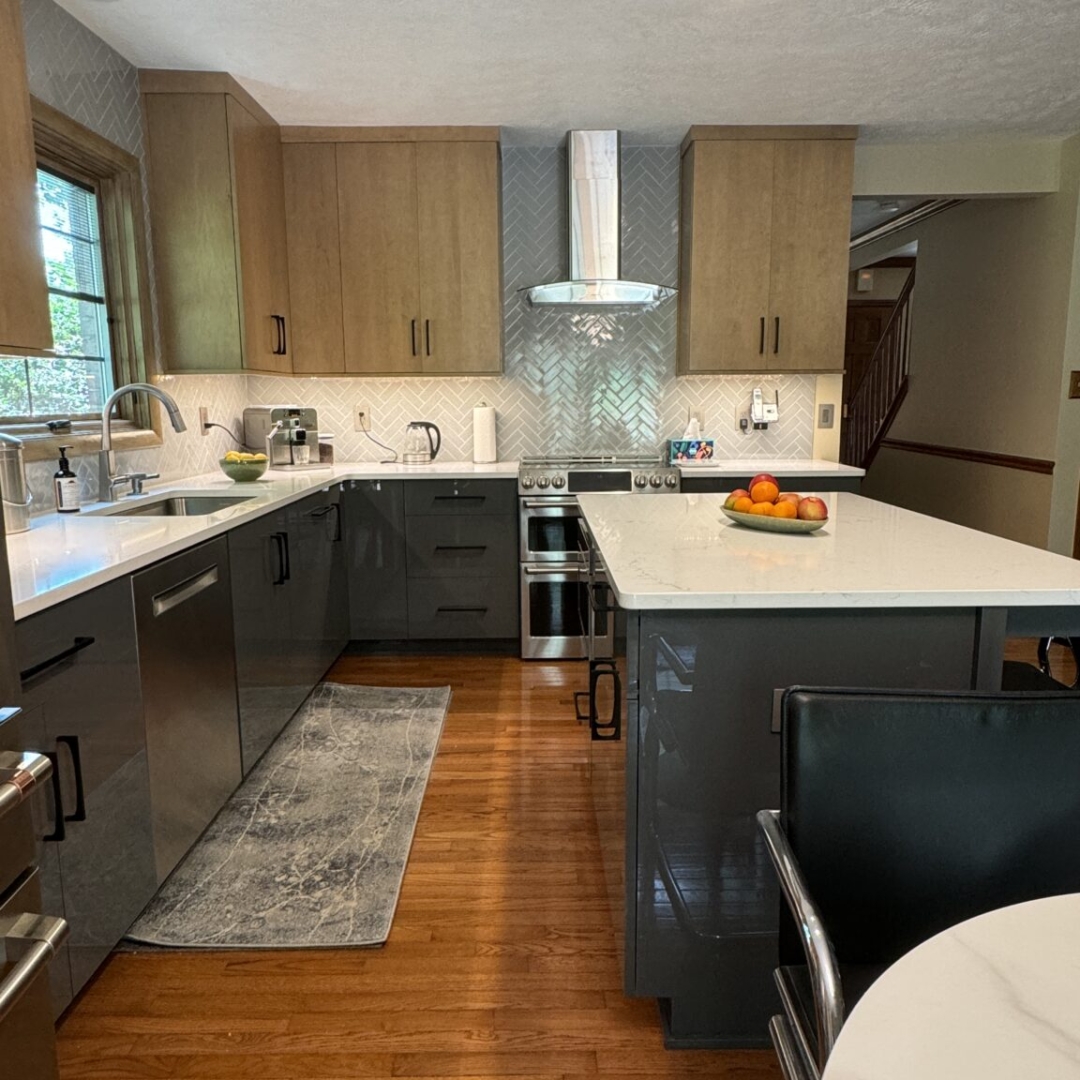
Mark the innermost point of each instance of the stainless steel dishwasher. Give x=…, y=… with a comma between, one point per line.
x=183, y=614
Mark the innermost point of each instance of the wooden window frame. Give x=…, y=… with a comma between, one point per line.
x=67, y=146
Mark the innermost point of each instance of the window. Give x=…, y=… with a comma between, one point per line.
x=90, y=202
x=78, y=381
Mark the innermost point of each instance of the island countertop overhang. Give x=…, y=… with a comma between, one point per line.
x=679, y=552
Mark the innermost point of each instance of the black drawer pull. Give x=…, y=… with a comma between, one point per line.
x=282, y=541
x=77, y=646
x=446, y=549
x=72, y=743
x=460, y=610
x=459, y=498
x=59, y=832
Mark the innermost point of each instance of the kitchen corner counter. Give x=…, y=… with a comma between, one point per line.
x=745, y=468
x=673, y=552
x=63, y=555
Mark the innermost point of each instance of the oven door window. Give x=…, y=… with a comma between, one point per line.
x=557, y=609
x=553, y=535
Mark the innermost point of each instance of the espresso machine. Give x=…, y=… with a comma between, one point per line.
x=287, y=434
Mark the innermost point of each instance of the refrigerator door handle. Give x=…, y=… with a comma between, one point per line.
x=20, y=774
x=36, y=938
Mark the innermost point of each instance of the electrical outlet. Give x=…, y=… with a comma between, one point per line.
x=826, y=416
x=204, y=419
x=361, y=418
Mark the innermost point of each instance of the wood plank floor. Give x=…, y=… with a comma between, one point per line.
x=504, y=958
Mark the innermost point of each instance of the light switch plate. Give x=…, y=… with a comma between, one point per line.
x=826, y=416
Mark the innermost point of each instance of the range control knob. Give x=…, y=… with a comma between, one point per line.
x=671, y=481
x=542, y=482
x=640, y=480
x=527, y=482
x=656, y=480
x=558, y=481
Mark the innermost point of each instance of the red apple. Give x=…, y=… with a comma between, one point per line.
x=738, y=493
x=763, y=476
x=813, y=509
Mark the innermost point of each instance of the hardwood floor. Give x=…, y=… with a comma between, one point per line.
x=504, y=958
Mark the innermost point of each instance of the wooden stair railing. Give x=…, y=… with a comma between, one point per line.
x=875, y=402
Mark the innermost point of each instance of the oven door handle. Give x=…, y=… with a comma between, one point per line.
x=539, y=504
x=20, y=774
x=554, y=568
x=34, y=939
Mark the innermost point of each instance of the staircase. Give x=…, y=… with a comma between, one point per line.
x=875, y=402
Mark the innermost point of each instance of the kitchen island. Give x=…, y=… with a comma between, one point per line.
x=720, y=619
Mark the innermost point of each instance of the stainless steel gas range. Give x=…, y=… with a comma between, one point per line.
x=556, y=586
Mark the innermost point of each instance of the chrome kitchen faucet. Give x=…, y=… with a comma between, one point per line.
x=107, y=481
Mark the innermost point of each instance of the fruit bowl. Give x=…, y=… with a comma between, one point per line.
x=774, y=524
x=243, y=472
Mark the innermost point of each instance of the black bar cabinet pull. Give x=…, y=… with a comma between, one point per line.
x=72, y=743
x=427, y=337
x=284, y=337
x=776, y=336
x=338, y=534
x=460, y=609
x=444, y=549
x=459, y=498
x=277, y=350
x=412, y=335
x=761, y=343
x=59, y=832
x=282, y=541
x=77, y=646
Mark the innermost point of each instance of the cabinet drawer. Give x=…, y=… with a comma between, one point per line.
x=484, y=545
x=463, y=608
x=460, y=497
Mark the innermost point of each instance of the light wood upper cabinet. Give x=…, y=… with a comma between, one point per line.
x=460, y=257
x=395, y=251
x=24, y=296
x=217, y=209
x=764, y=229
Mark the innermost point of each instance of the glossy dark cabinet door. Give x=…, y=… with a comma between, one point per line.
x=375, y=539
x=269, y=678
x=89, y=711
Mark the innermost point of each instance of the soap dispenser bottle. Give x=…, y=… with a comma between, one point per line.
x=66, y=486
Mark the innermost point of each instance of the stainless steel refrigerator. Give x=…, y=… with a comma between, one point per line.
x=29, y=937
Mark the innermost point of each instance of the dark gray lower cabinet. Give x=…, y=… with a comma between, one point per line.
x=433, y=559
x=290, y=612
x=80, y=682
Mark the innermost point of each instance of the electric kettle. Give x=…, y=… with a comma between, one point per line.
x=420, y=447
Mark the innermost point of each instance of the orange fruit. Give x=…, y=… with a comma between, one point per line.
x=764, y=508
x=742, y=504
x=764, y=491
x=789, y=496
x=785, y=508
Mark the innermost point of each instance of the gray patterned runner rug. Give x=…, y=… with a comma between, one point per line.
x=311, y=848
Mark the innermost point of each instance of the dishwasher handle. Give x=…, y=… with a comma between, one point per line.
x=36, y=938
x=190, y=587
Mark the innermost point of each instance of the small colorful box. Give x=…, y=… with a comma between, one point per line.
x=690, y=449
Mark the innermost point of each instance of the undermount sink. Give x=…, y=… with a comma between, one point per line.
x=173, y=506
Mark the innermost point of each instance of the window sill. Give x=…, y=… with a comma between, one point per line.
x=46, y=447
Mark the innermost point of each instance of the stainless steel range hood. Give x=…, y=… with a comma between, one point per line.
x=594, y=233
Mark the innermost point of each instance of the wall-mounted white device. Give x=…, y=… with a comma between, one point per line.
x=763, y=412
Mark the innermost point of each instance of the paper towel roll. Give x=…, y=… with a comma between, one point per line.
x=483, y=434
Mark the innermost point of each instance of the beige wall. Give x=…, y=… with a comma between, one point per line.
x=1006, y=502
x=991, y=310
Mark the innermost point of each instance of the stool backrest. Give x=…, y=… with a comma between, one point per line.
x=910, y=812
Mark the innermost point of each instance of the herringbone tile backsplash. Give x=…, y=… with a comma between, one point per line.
x=573, y=382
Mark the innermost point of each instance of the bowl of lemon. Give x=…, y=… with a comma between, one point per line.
x=242, y=467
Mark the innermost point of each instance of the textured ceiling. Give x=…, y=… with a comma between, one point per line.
x=901, y=68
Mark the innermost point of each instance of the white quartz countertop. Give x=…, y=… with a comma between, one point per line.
x=668, y=552
x=63, y=555
x=745, y=468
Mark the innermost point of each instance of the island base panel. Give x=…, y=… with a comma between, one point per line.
x=703, y=756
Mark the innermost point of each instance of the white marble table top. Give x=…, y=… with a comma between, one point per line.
x=679, y=552
x=994, y=998
x=745, y=468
